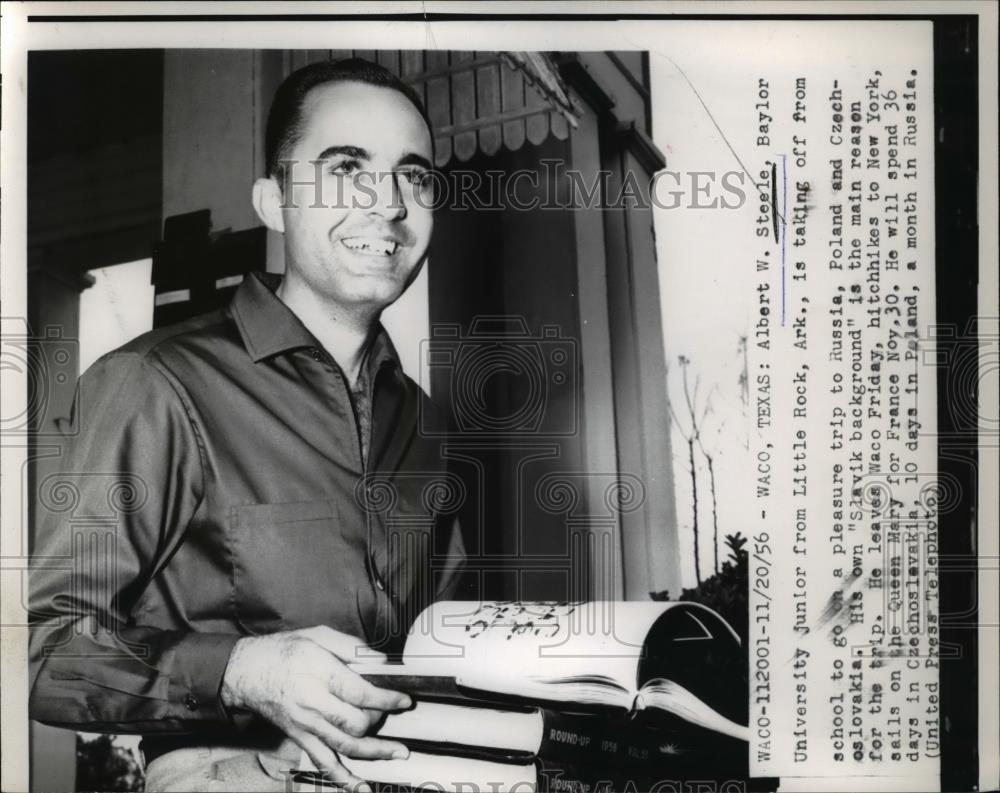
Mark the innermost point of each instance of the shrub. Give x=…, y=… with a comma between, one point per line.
x=103, y=765
x=725, y=592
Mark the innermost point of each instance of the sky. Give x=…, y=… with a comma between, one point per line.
x=703, y=292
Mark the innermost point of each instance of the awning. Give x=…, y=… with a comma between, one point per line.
x=482, y=101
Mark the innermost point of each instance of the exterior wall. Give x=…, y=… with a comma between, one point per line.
x=53, y=759
x=210, y=134
x=95, y=138
x=649, y=546
x=518, y=265
x=600, y=437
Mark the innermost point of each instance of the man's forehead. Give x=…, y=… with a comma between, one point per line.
x=359, y=113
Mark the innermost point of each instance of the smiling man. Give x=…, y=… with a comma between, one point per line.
x=364, y=157
x=251, y=557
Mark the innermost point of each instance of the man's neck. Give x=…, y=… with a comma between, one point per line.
x=344, y=334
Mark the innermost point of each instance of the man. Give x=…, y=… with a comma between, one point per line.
x=237, y=462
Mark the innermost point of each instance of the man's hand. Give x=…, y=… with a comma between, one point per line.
x=298, y=681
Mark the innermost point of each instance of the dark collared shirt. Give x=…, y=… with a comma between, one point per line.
x=214, y=486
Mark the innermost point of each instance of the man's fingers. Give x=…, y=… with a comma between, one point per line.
x=375, y=716
x=344, y=716
x=371, y=748
x=346, y=684
x=355, y=690
x=322, y=756
x=346, y=648
x=325, y=759
x=368, y=748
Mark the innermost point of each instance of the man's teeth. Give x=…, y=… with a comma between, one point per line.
x=372, y=246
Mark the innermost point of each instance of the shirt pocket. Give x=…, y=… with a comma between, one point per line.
x=293, y=566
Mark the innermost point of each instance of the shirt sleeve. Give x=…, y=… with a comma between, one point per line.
x=107, y=517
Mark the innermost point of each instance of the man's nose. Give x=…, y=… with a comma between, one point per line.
x=387, y=198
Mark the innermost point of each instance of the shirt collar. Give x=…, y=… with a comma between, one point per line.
x=268, y=327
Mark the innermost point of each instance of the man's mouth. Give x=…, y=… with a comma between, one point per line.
x=370, y=246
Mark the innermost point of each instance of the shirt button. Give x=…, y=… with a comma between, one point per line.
x=191, y=702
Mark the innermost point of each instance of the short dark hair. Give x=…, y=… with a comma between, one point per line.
x=285, y=118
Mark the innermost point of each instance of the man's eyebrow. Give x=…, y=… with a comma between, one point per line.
x=415, y=159
x=348, y=151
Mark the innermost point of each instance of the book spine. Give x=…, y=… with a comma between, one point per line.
x=595, y=740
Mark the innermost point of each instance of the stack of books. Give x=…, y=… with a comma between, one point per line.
x=577, y=697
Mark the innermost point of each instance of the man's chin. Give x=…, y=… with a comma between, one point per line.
x=377, y=295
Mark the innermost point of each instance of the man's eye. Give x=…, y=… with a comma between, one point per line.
x=417, y=178
x=345, y=167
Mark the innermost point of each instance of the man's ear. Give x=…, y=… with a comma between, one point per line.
x=267, y=203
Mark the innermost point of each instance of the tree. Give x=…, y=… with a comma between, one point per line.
x=692, y=436
x=744, y=378
x=103, y=765
x=744, y=384
x=709, y=461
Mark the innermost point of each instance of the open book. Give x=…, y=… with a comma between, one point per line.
x=679, y=658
